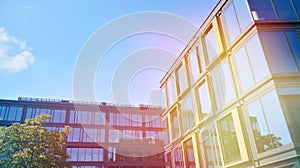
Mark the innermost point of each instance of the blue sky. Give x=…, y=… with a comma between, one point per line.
x=40, y=43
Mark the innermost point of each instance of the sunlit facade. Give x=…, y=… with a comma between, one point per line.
x=102, y=135
x=232, y=97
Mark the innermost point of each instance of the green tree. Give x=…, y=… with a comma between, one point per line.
x=31, y=145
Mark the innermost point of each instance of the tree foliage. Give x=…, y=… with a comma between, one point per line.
x=31, y=145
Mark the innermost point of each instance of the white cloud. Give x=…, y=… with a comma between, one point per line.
x=15, y=56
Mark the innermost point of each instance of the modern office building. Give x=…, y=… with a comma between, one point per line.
x=103, y=135
x=232, y=97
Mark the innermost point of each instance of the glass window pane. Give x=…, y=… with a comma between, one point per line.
x=291, y=107
x=294, y=41
x=163, y=100
x=211, y=45
x=257, y=59
x=297, y=5
x=231, y=23
x=174, y=125
x=268, y=123
x=204, y=100
x=188, y=113
x=259, y=127
x=189, y=153
x=2, y=112
x=262, y=10
x=181, y=78
x=229, y=140
x=223, y=85
x=114, y=136
x=88, y=154
x=285, y=9
x=193, y=62
x=100, y=118
x=275, y=118
x=244, y=69
x=209, y=145
x=280, y=58
x=243, y=13
x=171, y=91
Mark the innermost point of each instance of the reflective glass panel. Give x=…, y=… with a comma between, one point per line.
x=280, y=58
x=228, y=135
x=211, y=45
x=223, y=85
x=188, y=113
x=294, y=41
x=268, y=123
x=189, y=153
x=231, y=23
x=291, y=106
x=171, y=91
x=285, y=9
x=262, y=10
x=181, y=78
x=210, y=149
x=193, y=62
x=204, y=99
x=174, y=125
x=257, y=59
x=244, y=69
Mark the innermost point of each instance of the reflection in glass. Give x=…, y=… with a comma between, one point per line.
x=209, y=145
x=291, y=107
x=280, y=58
x=262, y=10
x=171, y=91
x=188, y=113
x=194, y=64
x=268, y=123
x=229, y=140
x=204, y=99
x=178, y=157
x=163, y=100
x=223, y=85
x=257, y=58
x=189, y=154
x=285, y=9
x=211, y=45
x=237, y=18
x=174, y=125
x=297, y=5
x=181, y=79
x=294, y=41
x=251, y=63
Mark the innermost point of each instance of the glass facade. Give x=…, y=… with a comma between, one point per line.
x=232, y=103
x=105, y=138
